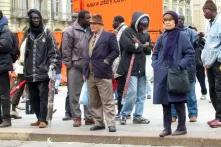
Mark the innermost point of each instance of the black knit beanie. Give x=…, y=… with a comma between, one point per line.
x=173, y=14
x=209, y=4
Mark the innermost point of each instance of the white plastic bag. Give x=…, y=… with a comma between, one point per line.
x=149, y=69
x=84, y=97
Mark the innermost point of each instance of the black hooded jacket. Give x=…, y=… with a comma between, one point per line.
x=40, y=52
x=128, y=48
x=8, y=48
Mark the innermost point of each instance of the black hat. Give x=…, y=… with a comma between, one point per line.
x=34, y=11
x=173, y=14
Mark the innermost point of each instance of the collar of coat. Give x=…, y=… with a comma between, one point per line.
x=77, y=26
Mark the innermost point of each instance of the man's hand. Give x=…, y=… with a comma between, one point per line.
x=135, y=40
x=13, y=74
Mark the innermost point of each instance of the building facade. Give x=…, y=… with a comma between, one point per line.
x=56, y=13
x=182, y=7
x=199, y=20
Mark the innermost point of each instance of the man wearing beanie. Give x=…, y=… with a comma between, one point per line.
x=211, y=58
x=102, y=51
x=40, y=59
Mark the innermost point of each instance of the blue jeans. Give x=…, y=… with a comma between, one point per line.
x=191, y=103
x=148, y=89
x=136, y=95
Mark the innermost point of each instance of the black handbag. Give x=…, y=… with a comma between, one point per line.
x=178, y=81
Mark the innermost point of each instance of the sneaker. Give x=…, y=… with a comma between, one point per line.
x=148, y=96
x=117, y=116
x=193, y=119
x=123, y=120
x=141, y=120
x=14, y=114
x=203, y=97
x=129, y=116
x=42, y=124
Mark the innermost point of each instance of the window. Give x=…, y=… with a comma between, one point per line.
x=57, y=4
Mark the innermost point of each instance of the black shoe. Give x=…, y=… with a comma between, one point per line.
x=66, y=118
x=165, y=133
x=179, y=132
x=5, y=123
x=112, y=129
x=95, y=128
x=123, y=120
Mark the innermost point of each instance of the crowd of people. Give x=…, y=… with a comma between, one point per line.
x=98, y=57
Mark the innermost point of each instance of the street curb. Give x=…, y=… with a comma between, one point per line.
x=113, y=139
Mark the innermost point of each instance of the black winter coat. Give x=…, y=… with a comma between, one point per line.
x=40, y=53
x=127, y=47
x=7, y=50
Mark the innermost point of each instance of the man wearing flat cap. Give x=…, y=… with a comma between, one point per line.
x=40, y=59
x=102, y=51
x=211, y=58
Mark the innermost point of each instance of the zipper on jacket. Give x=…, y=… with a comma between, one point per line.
x=34, y=60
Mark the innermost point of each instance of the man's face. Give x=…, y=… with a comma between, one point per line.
x=142, y=27
x=35, y=18
x=95, y=28
x=86, y=20
x=181, y=21
x=208, y=14
x=115, y=24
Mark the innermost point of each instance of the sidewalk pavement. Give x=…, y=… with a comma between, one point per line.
x=199, y=133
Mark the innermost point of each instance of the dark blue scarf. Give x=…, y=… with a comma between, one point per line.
x=3, y=22
x=171, y=43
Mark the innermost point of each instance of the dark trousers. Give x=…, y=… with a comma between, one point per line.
x=200, y=74
x=38, y=93
x=16, y=97
x=67, y=106
x=120, y=88
x=167, y=116
x=5, y=96
x=214, y=78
